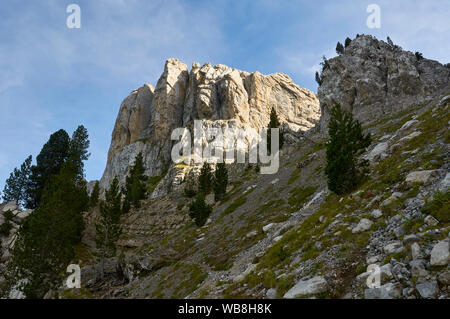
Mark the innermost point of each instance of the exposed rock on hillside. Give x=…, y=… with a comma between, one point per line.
x=373, y=78
x=220, y=95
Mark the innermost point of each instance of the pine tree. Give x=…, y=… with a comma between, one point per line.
x=93, y=199
x=345, y=145
x=347, y=42
x=274, y=123
x=78, y=148
x=53, y=155
x=205, y=179
x=135, y=184
x=45, y=241
x=318, y=79
x=199, y=210
x=220, y=181
x=17, y=184
x=339, y=48
x=419, y=56
x=6, y=227
x=108, y=229
x=190, y=187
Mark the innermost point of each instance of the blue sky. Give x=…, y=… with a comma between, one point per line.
x=53, y=77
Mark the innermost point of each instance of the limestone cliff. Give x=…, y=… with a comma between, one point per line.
x=220, y=95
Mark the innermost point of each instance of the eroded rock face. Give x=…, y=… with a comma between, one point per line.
x=373, y=78
x=219, y=95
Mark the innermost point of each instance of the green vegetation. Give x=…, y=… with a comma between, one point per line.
x=205, y=179
x=5, y=228
x=46, y=239
x=346, y=144
x=339, y=48
x=299, y=196
x=199, y=210
x=233, y=206
x=17, y=183
x=220, y=181
x=108, y=228
x=274, y=123
x=347, y=42
x=439, y=207
x=93, y=200
x=135, y=185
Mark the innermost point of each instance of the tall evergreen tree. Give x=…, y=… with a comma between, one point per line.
x=93, y=199
x=345, y=145
x=17, y=184
x=199, y=210
x=220, y=181
x=45, y=241
x=274, y=123
x=78, y=148
x=108, y=228
x=339, y=48
x=318, y=78
x=53, y=155
x=347, y=42
x=135, y=184
x=205, y=179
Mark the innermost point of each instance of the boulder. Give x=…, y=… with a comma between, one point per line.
x=428, y=289
x=11, y=206
x=431, y=221
x=311, y=286
x=440, y=255
x=418, y=268
x=420, y=176
x=363, y=225
x=376, y=213
x=386, y=291
x=394, y=247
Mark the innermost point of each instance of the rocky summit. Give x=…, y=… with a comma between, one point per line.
x=221, y=96
x=282, y=235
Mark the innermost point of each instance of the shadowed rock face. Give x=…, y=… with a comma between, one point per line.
x=220, y=95
x=373, y=78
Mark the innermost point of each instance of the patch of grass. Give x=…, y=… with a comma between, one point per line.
x=233, y=206
x=299, y=196
x=439, y=207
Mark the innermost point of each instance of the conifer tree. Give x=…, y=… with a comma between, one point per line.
x=220, y=181
x=93, y=199
x=318, y=78
x=45, y=241
x=346, y=143
x=17, y=183
x=274, y=123
x=53, y=155
x=205, y=179
x=347, y=42
x=339, y=48
x=78, y=148
x=189, y=188
x=108, y=229
x=199, y=210
x=135, y=184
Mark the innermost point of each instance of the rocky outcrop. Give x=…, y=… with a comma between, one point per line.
x=223, y=97
x=372, y=78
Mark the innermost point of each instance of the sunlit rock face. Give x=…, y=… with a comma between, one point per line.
x=219, y=95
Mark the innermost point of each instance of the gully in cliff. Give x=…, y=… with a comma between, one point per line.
x=210, y=144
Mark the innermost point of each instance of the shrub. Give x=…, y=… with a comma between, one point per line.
x=419, y=56
x=439, y=207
